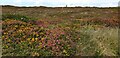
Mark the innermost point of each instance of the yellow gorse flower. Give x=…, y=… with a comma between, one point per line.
x=40, y=46
x=28, y=39
x=22, y=26
x=41, y=27
x=20, y=30
x=37, y=35
x=16, y=25
x=33, y=39
x=3, y=36
x=5, y=33
x=42, y=38
x=9, y=40
x=30, y=43
x=36, y=39
x=6, y=46
x=64, y=51
x=41, y=33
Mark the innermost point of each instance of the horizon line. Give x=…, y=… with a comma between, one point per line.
x=56, y=6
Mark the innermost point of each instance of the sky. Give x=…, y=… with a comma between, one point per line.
x=61, y=3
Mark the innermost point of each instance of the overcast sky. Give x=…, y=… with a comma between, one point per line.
x=58, y=3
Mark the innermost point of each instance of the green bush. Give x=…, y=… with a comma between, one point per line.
x=15, y=17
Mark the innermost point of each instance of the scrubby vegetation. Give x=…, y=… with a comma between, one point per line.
x=62, y=36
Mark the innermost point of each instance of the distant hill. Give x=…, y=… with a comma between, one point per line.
x=8, y=6
x=22, y=6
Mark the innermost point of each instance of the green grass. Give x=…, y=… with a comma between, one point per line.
x=104, y=40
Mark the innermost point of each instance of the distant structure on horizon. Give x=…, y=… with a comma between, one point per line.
x=66, y=5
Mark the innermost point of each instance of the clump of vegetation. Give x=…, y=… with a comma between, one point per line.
x=22, y=39
x=16, y=17
x=59, y=36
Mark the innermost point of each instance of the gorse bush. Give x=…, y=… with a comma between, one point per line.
x=15, y=17
x=22, y=39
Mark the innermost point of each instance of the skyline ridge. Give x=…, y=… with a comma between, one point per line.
x=56, y=6
x=62, y=3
